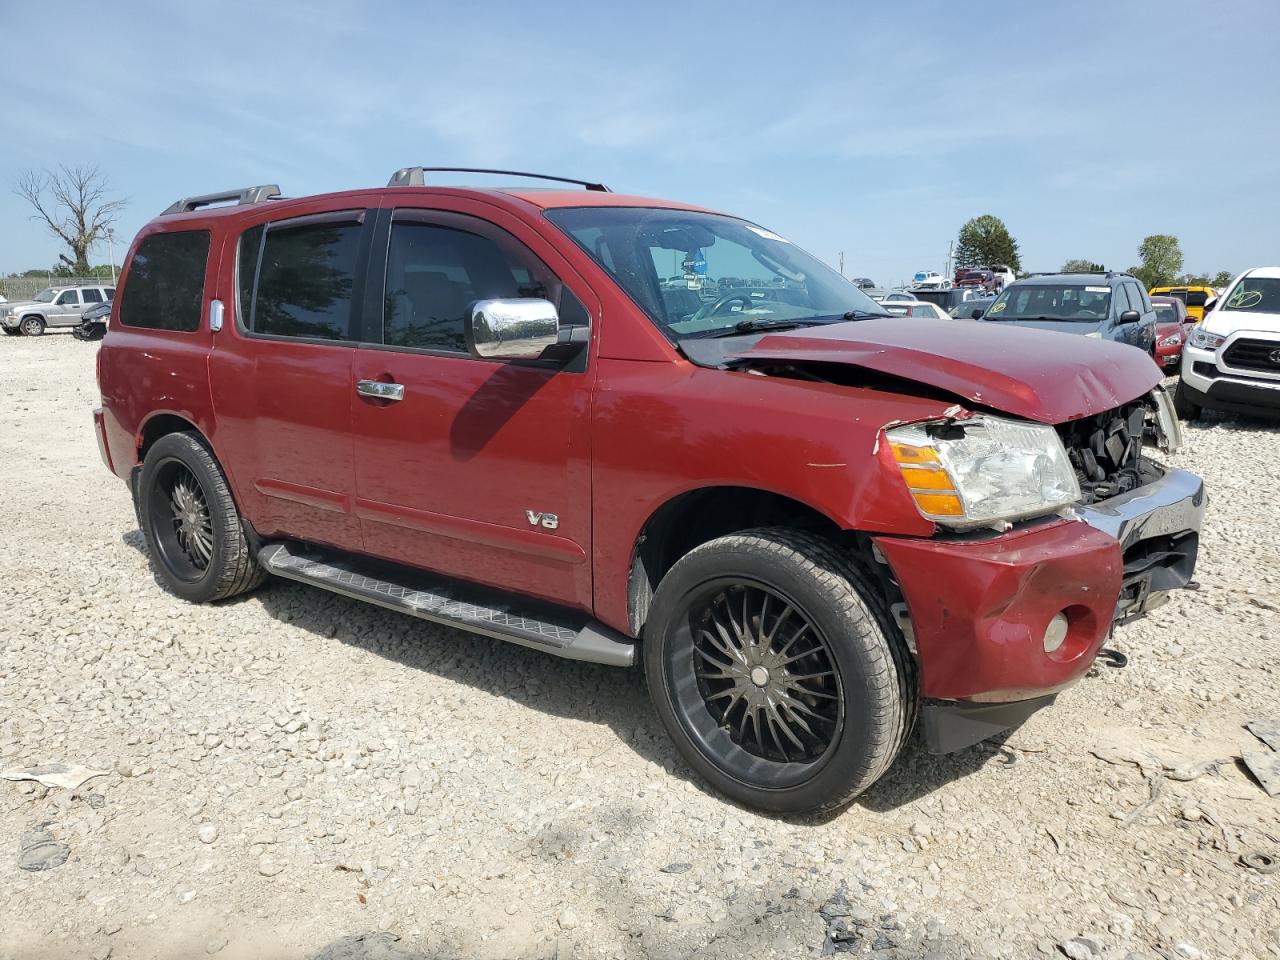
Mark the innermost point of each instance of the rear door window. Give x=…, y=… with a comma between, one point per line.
x=91, y=295
x=297, y=278
x=165, y=285
x=1197, y=298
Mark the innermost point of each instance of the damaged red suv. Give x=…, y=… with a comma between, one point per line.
x=619, y=429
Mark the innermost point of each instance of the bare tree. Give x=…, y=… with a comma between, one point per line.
x=72, y=202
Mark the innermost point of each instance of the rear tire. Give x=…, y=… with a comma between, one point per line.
x=717, y=633
x=194, y=532
x=32, y=326
x=1183, y=405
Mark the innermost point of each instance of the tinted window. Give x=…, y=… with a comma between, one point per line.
x=435, y=273
x=91, y=296
x=68, y=298
x=305, y=281
x=1166, y=313
x=1122, y=298
x=111, y=293
x=166, y=282
x=1196, y=299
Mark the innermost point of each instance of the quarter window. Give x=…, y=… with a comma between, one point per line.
x=91, y=296
x=165, y=285
x=436, y=272
x=305, y=274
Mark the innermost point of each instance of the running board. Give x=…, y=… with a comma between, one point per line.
x=439, y=600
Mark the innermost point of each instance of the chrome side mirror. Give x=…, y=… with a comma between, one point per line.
x=517, y=329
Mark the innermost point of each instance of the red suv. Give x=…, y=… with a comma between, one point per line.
x=613, y=428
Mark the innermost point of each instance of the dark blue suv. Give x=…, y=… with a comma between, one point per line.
x=1107, y=306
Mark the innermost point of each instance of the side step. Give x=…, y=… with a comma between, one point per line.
x=440, y=600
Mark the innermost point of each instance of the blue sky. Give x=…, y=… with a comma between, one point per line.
x=870, y=128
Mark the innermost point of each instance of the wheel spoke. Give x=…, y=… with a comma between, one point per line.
x=706, y=655
x=793, y=677
x=786, y=612
x=799, y=656
x=723, y=644
x=776, y=716
x=794, y=637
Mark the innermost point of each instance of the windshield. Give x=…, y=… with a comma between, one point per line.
x=698, y=274
x=1052, y=301
x=44, y=296
x=1255, y=295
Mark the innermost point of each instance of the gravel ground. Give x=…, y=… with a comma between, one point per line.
x=296, y=775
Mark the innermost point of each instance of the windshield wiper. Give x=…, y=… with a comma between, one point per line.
x=751, y=326
x=864, y=315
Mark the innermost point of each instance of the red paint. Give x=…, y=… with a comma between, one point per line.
x=1045, y=376
x=980, y=608
x=443, y=479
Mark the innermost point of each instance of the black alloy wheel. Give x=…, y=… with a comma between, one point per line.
x=766, y=680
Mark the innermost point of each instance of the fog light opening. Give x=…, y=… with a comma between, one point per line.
x=1055, y=634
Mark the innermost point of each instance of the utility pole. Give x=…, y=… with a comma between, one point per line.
x=842, y=263
x=111, y=253
x=950, y=246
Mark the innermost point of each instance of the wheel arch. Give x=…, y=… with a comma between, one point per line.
x=162, y=423
x=694, y=517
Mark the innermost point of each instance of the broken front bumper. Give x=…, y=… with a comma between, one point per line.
x=980, y=607
x=1158, y=529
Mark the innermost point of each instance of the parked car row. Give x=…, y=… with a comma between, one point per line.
x=52, y=307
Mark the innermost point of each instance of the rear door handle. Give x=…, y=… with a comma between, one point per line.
x=380, y=390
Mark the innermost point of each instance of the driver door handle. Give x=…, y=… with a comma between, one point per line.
x=380, y=390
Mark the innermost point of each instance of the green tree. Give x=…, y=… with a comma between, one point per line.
x=1161, y=260
x=1222, y=278
x=1082, y=266
x=985, y=240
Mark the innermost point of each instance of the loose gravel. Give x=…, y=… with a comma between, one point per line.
x=292, y=774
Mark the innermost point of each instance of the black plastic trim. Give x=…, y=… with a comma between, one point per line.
x=951, y=725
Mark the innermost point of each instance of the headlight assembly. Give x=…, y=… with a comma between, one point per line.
x=1205, y=340
x=1172, y=340
x=983, y=471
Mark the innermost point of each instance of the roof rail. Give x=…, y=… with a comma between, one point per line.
x=416, y=176
x=267, y=191
x=1088, y=273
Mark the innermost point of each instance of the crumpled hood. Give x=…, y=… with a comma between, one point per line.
x=1035, y=374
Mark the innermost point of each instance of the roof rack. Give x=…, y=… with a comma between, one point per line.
x=266, y=191
x=416, y=177
x=1087, y=273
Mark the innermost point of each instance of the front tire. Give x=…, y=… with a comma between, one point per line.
x=193, y=529
x=32, y=326
x=1183, y=405
x=777, y=670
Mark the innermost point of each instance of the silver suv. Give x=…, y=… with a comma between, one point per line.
x=51, y=307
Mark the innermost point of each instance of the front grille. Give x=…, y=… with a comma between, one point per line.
x=1106, y=451
x=1248, y=354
